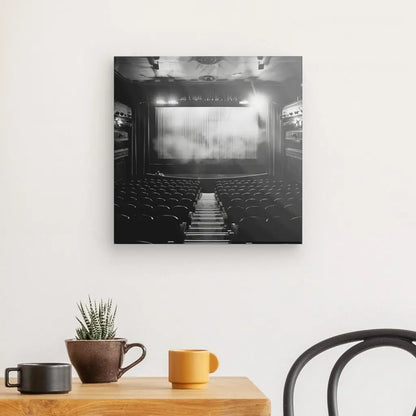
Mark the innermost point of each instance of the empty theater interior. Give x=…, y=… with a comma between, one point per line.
x=208, y=149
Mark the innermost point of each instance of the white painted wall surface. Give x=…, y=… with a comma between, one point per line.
x=257, y=307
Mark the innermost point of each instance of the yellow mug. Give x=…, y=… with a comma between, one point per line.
x=190, y=369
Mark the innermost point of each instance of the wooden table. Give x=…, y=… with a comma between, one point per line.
x=147, y=396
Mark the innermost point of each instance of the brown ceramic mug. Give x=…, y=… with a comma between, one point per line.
x=100, y=361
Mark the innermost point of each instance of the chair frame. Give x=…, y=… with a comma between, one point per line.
x=367, y=339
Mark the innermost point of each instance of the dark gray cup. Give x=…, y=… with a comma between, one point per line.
x=41, y=378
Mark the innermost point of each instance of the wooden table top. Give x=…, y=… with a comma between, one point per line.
x=145, y=396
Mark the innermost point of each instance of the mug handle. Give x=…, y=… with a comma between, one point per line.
x=6, y=376
x=213, y=363
x=141, y=358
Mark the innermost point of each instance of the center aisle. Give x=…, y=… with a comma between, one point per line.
x=207, y=223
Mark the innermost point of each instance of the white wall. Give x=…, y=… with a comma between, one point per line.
x=257, y=307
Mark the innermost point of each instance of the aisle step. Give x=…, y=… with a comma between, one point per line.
x=207, y=222
x=208, y=237
x=217, y=233
x=207, y=241
x=199, y=227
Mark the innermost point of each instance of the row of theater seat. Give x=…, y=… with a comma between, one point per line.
x=261, y=211
x=154, y=210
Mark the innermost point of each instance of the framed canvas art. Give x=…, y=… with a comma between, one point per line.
x=208, y=149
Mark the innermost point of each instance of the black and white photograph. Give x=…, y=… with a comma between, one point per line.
x=208, y=149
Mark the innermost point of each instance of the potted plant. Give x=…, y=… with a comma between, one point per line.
x=96, y=353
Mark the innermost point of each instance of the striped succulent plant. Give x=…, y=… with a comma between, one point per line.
x=97, y=320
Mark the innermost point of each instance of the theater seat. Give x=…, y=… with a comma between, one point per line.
x=295, y=225
x=264, y=202
x=250, y=230
x=237, y=202
x=187, y=203
x=234, y=214
x=160, y=201
x=142, y=228
x=162, y=210
x=190, y=195
x=122, y=229
x=276, y=211
x=129, y=210
x=281, y=230
x=171, y=202
x=225, y=200
x=255, y=211
x=183, y=213
x=132, y=199
x=251, y=202
x=279, y=201
x=178, y=196
x=168, y=228
x=295, y=210
x=146, y=209
x=147, y=201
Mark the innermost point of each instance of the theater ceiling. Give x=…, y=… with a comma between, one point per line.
x=205, y=69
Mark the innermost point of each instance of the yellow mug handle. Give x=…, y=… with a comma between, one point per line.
x=213, y=362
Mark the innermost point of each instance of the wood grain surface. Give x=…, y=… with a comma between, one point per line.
x=147, y=396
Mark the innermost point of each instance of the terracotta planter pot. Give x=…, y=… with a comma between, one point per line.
x=100, y=361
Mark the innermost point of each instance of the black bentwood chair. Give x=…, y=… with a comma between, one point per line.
x=369, y=339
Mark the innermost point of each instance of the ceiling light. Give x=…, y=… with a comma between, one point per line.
x=172, y=102
x=208, y=78
x=259, y=102
x=160, y=101
x=243, y=102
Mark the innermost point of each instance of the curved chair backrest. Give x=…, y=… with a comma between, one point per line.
x=160, y=201
x=182, y=212
x=122, y=228
x=250, y=202
x=178, y=195
x=235, y=213
x=275, y=211
x=369, y=339
x=295, y=210
x=162, y=210
x=255, y=211
x=147, y=201
x=189, y=195
x=237, y=202
x=171, y=202
x=167, y=228
x=225, y=199
x=264, y=202
x=131, y=199
x=252, y=229
x=187, y=203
